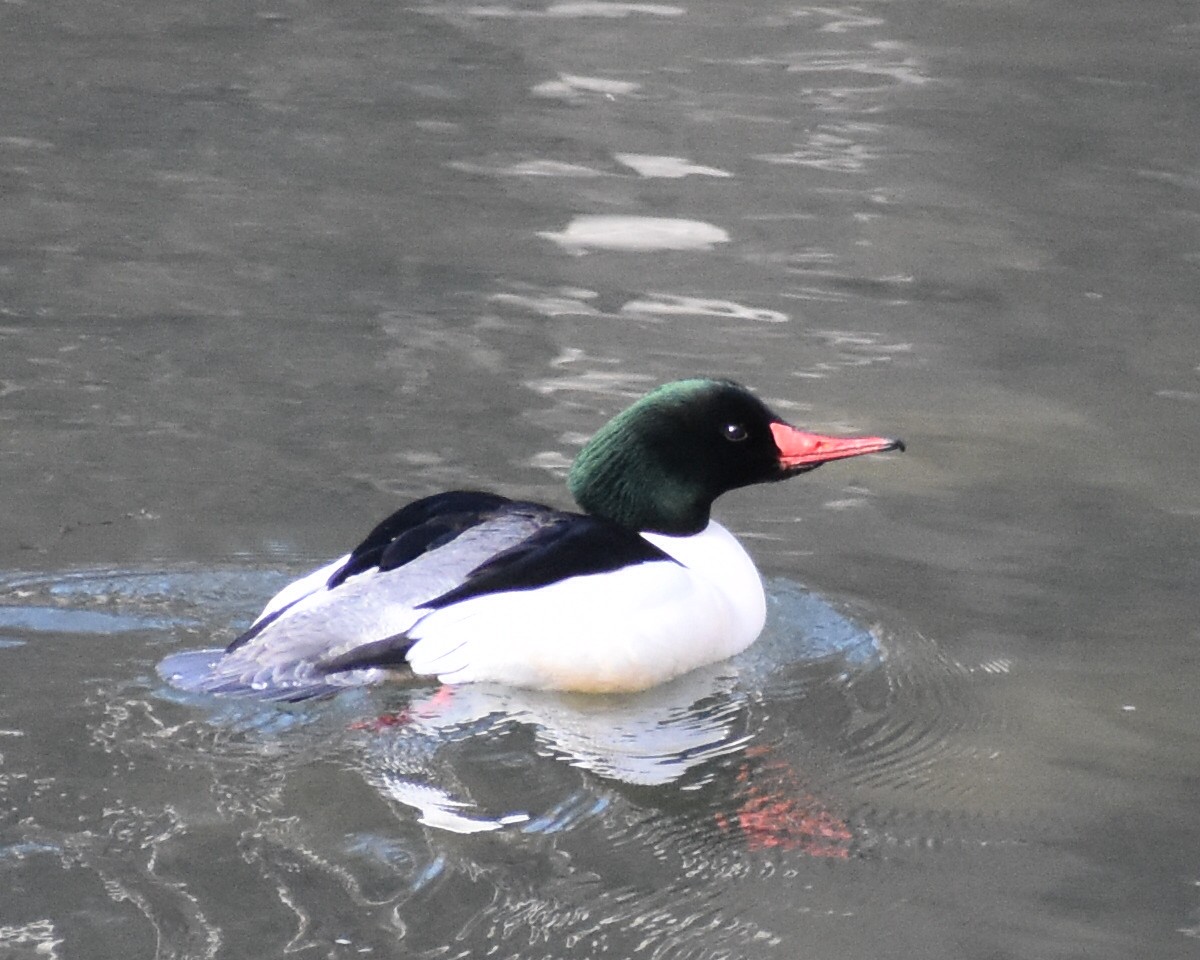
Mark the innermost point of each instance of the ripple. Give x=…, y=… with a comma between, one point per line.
x=825, y=151
x=37, y=938
x=352, y=823
x=592, y=383
x=668, y=305
x=886, y=733
x=557, y=303
x=887, y=718
x=915, y=714
x=58, y=620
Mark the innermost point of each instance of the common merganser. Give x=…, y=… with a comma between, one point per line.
x=641, y=587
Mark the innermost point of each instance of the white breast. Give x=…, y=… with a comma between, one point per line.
x=624, y=630
x=715, y=554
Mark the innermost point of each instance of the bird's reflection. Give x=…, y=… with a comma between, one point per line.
x=650, y=739
x=680, y=736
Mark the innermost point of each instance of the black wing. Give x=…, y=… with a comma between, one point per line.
x=419, y=527
x=574, y=546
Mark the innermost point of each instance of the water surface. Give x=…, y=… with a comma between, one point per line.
x=268, y=272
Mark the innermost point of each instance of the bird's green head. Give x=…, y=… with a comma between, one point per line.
x=658, y=465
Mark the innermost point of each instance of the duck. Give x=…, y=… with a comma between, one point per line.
x=638, y=587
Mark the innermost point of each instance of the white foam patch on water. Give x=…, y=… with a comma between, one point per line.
x=605, y=383
x=553, y=461
x=845, y=503
x=573, y=9
x=441, y=810
x=596, y=232
x=668, y=304
x=598, y=8
x=825, y=151
x=26, y=143
x=1187, y=395
x=848, y=19
x=666, y=168
x=528, y=168
x=570, y=86
x=548, y=304
x=38, y=938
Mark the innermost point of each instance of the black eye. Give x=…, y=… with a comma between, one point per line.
x=734, y=432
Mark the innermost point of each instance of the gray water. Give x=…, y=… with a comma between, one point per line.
x=269, y=271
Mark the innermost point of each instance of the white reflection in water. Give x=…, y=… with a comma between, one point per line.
x=628, y=233
x=554, y=462
x=609, y=383
x=1188, y=395
x=581, y=9
x=649, y=739
x=528, y=168
x=552, y=304
x=572, y=87
x=853, y=348
x=666, y=305
x=596, y=8
x=666, y=168
x=825, y=151
x=843, y=81
x=843, y=19
x=906, y=70
x=37, y=938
